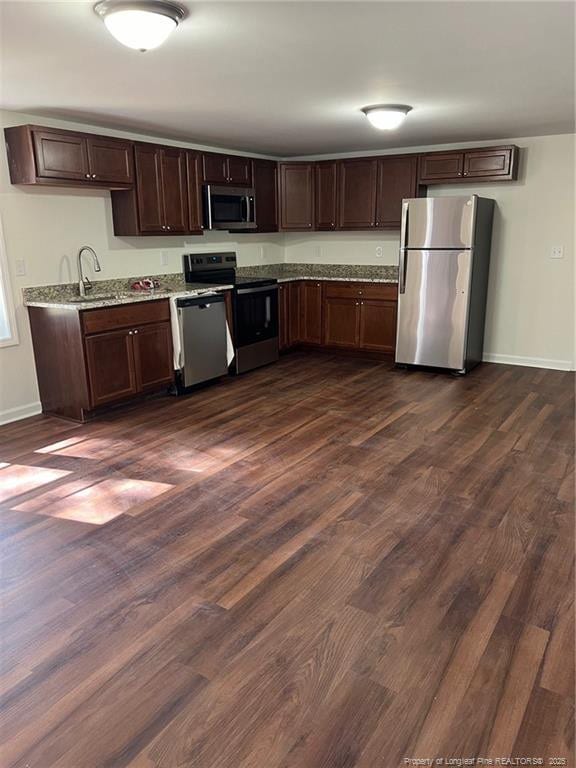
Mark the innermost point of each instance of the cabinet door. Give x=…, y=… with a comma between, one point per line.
x=440, y=166
x=488, y=162
x=153, y=356
x=265, y=186
x=378, y=325
x=214, y=169
x=110, y=160
x=111, y=369
x=283, y=316
x=294, y=312
x=396, y=181
x=175, y=204
x=148, y=160
x=357, y=194
x=61, y=156
x=326, y=195
x=296, y=196
x=310, y=312
x=195, y=220
x=341, y=322
x=240, y=170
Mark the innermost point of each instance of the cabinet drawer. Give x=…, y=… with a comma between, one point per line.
x=125, y=316
x=341, y=290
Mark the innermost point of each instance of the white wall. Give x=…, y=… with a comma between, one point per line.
x=530, y=313
x=45, y=228
x=531, y=298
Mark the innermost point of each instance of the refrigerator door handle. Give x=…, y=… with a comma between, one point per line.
x=404, y=224
x=402, y=271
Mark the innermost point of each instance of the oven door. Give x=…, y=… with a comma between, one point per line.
x=255, y=314
x=229, y=208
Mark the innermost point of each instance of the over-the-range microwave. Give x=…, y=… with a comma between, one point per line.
x=229, y=207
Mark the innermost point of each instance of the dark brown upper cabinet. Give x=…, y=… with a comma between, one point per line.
x=326, y=194
x=440, y=166
x=158, y=205
x=226, y=169
x=193, y=161
x=296, y=192
x=265, y=188
x=397, y=180
x=55, y=157
x=174, y=190
x=470, y=165
x=357, y=193
x=110, y=160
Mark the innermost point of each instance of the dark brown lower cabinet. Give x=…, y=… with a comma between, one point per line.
x=284, y=316
x=111, y=369
x=86, y=359
x=353, y=316
x=377, y=326
x=310, y=312
x=341, y=322
x=153, y=356
x=288, y=314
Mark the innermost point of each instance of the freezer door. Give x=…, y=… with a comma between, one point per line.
x=433, y=309
x=438, y=222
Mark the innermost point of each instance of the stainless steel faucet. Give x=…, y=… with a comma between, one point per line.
x=83, y=283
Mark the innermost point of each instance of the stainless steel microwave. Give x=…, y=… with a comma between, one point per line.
x=229, y=208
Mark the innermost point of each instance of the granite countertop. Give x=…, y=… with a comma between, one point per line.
x=345, y=272
x=110, y=293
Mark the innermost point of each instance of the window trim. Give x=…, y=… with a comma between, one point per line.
x=6, y=294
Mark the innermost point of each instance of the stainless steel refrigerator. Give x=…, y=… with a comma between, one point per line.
x=443, y=281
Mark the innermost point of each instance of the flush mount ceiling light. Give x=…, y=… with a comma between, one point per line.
x=386, y=117
x=140, y=25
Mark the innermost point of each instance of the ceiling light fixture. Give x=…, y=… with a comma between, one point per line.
x=140, y=25
x=386, y=117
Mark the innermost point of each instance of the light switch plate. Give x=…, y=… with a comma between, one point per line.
x=163, y=259
x=20, y=267
x=557, y=252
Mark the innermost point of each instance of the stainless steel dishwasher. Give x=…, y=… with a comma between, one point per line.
x=202, y=326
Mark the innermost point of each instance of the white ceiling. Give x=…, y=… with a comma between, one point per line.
x=289, y=78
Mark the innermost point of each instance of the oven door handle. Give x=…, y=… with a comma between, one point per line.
x=245, y=291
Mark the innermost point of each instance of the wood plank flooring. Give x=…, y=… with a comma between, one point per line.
x=326, y=563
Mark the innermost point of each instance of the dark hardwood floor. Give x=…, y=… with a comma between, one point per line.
x=326, y=563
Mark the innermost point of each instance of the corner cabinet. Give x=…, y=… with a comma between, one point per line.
x=53, y=157
x=86, y=359
x=166, y=197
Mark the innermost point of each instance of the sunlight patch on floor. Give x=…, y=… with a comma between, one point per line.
x=92, y=448
x=101, y=502
x=18, y=479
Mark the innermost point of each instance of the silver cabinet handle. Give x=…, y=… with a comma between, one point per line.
x=167, y=227
x=93, y=175
x=130, y=333
x=136, y=330
x=87, y=175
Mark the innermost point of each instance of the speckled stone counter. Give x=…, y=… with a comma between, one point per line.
x=346, y=272
x=108, y=293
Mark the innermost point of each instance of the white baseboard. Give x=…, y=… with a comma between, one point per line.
x=531, y=362
x=22, y=412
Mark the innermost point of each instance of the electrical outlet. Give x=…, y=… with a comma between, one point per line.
x=163, y=259
x=379, y=252
x=20, y=267
x=261, y=253
x=557, y=252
